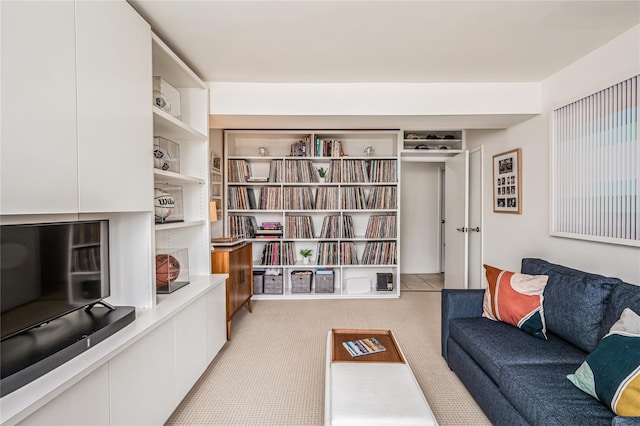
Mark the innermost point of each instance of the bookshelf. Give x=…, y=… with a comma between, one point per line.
x=349, y=218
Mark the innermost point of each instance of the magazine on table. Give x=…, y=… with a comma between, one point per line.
x=366, y=346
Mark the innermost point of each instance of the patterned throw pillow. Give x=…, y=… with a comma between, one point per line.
x=515, y=299
x=611, y=373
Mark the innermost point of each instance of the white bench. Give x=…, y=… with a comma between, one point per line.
x=372, y=393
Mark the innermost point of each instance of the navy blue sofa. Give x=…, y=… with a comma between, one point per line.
x=518, y=379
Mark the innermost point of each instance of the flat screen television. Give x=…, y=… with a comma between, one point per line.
x=48, y=270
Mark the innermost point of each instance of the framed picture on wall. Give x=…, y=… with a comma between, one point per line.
x=507, y=187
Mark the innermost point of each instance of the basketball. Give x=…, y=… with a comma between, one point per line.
x=163, y=203
x=167, y=269
x=161, y=158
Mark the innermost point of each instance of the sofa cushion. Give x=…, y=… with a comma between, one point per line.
x=622, y=296
x=515, y=299
x=611, y=373
x=542, y=394
x=574, y=301
x=496, y=344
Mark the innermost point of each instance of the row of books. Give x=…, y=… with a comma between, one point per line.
x=379, y=253
x=242, y=226
x=86, y=233
x=300, y=171
x=299, y=198
x=317, y=148
x=299, y=227
x=331, y=227
x=302, y=198
x=238, y=171
x=381, y=226
x=278, y=253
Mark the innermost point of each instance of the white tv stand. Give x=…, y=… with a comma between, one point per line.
x=137, y=376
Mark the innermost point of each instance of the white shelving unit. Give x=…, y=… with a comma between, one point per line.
x=245, y=144
x=431, y=145
x=190, y=131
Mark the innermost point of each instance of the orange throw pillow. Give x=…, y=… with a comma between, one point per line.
x=515, y=299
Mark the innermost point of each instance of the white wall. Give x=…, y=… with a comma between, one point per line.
x=509, y=237
x=419, y=218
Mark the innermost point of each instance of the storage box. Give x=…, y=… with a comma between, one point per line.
x=258, y=282
x=172, y=269
x=301, y=281
x=324, y=281
x=167, y=202
x=166, y=97
x=272, y=284
x=358, y=285
x=166, y=155
x=384, y=281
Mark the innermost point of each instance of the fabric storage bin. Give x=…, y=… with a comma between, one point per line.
x=258, y=282
x=301, y=281
x=272, y=284
x=324, y=281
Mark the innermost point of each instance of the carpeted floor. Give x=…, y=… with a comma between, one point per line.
x=272, y=372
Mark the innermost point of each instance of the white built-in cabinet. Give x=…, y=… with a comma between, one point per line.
x=72, y=132
x=38, y=161
x=361, y=194
x=114, y=118
x=78, y=123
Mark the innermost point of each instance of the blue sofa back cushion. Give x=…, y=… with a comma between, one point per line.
x=622, y=296
x=574, y=301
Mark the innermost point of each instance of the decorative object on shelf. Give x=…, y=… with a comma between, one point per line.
x=263, y=151
x=172, y=269
x=507, y=172
x=213, y=212
x=322, y=172
x=306, y=255
x=166, y=97
x=369, y=151
x=166, y=155
x=216, y=162
x=168, y=203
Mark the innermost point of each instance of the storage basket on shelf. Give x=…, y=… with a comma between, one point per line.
x=272, y=283
x=301, y=281
x=324, y=281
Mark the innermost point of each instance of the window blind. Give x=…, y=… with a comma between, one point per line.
x=595, y=161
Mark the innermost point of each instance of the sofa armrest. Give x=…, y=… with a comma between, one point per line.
x=458, y=304
x=625, y=421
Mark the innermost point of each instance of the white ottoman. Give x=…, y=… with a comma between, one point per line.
x=359, y=392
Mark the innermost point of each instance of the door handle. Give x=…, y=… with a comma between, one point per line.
x=463, y=229
x=476, y=229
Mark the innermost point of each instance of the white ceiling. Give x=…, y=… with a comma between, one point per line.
x=384, y=41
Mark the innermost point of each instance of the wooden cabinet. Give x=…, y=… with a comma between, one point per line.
x=237, y=262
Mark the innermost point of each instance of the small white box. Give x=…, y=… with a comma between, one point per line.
x=358, y=285
x=166, y=97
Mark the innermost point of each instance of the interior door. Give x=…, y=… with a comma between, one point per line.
x=456, y=205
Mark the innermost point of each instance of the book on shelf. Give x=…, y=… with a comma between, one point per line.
x=361, y=347
x=258, y=179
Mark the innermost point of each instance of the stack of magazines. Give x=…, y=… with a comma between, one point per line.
x=366, y=346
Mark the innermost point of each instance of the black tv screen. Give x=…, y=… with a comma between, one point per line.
x=50, y=269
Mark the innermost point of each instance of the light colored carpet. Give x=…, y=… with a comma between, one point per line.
x=272, y=372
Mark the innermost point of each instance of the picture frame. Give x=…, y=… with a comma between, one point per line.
x=507, y=182
x=216, y=162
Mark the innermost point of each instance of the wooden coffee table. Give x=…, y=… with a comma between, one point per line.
x=374, y=389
